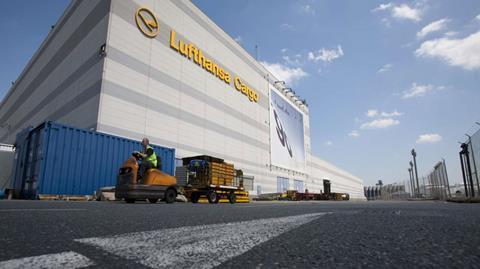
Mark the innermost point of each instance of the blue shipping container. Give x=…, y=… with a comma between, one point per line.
x=62, y=160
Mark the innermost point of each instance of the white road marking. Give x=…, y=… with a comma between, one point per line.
x=60, y=260
x=40, y=209
x=203, y=246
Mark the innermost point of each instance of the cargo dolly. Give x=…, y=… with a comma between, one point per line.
x=214, y=179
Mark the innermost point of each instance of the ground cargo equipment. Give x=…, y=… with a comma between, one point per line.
x=153, y=186
x=214, y=179
x=293, y=195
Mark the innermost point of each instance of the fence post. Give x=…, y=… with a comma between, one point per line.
x=446, y=178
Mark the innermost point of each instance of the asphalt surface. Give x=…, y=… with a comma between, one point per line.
x=295, y=234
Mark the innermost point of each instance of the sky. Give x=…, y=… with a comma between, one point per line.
x=380, y=77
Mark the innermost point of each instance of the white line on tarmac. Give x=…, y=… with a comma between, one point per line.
x=40, y=209
x=203, y=246
x=60, y=260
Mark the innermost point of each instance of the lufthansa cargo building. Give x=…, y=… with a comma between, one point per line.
x=164, y=70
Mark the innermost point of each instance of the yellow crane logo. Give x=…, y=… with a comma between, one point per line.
x=147, y=22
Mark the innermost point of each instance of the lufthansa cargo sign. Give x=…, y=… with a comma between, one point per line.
x=148, y=24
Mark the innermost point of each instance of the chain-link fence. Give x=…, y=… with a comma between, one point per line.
x=394, y=191
x=436, y=183
x=470, y=161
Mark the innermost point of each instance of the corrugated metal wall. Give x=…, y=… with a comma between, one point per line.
x=57, y=159
x=6, y=162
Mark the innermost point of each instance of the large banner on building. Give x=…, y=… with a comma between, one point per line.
x=287, y=147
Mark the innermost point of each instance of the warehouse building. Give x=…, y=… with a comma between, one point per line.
x=164, y=70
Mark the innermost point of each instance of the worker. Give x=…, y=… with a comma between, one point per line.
x=149, y=158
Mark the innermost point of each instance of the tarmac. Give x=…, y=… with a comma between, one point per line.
x=375, y=234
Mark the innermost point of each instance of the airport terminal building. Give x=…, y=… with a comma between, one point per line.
x=164, y=70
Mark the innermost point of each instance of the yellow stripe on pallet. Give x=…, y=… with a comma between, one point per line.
x=205, y=201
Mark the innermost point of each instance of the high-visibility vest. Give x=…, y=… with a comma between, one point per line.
x=152, y=158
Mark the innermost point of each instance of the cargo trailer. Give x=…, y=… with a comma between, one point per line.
x=214, y=179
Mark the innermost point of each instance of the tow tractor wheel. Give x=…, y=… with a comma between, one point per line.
x=194, y=197
x=170, y=196
x=153, y=200
x=232, y=198
x=212, y=197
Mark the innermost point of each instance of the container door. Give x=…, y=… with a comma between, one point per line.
x=32, y=165
x=326, y=186
x=21, y=146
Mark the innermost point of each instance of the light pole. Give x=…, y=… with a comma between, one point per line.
x=413, y=179
x=412, y=190
x=414, y=154
x=462, y=162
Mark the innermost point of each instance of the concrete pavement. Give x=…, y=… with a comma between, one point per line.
x=256, y=235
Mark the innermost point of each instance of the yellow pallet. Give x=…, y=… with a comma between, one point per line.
x=221, y=164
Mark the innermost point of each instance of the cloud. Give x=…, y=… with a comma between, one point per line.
x=354, y=134
x=419, y=90
x=464, y=53
x=284, y=50
x=477, y=17
x=450, y=34
x=292, y=62
x=433, y=27
x=380, y=123
x=402, y=12
x=238, y=39
x=328, y=143
x=429, y=138
x=326, y=55
x=307, y=9
x=284, y=72
x=286, y=26
x=386, y=22
x=385, y=68
x=372, y=113
x=395, y=113
x=405, y=12
x=382, y=7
